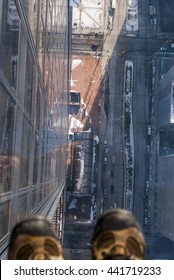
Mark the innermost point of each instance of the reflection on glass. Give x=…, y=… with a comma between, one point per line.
x=49, y=156
x=12, y=16
x=35, y=164
x=22, y=209
x=44, y=131
x=9, y=30
x=34, y=199
x=31, y=8
x=5, y=173
x=43, y=161
x=14, y=64
x=29, y=82
x=41, y=193
x=6, y=141
x=38, y=97
x=25, y=154
x=4, y=218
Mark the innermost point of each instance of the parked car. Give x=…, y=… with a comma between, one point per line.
x=146, y=191
x=106, y=151
x=163, y=49
x=148, y=148
x=145, y=220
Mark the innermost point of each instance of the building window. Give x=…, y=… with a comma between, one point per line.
x=34, y=199
x=4, y=218
x=35, y=165
x=38, y=106
x=6, y=141
x=43, y=162
x=9, y=30
x=26, y=144
x=29, y=77
x=22, y=206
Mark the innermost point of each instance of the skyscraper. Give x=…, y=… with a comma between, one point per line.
x=34, y=81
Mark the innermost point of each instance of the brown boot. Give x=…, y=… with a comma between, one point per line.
x=118, y=236
x=34, y=239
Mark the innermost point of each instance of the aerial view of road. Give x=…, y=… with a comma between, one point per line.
x=134, y=37
x=121, y=48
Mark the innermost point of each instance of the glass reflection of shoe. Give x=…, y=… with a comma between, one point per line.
x=34, y=239
x=118, y=236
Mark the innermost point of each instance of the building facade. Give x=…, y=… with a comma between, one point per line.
x=34, y=84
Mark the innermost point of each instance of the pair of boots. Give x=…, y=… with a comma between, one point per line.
x=117, y=236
